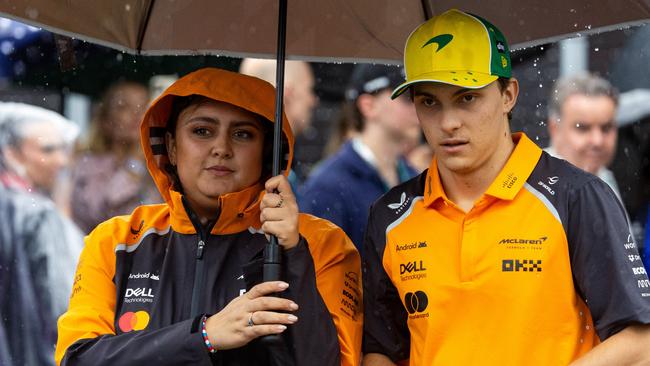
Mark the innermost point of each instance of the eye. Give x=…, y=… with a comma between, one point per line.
x=581, y=127
x=243, y=134
x=425, y=101
x=201, y=131
x=607, y=128
x=467, y=98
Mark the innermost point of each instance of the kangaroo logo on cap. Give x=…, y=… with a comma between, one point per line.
x=441, y=40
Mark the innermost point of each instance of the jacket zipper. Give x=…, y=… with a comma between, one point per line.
x=199, y=269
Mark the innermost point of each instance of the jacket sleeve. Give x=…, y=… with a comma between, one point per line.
x=87, y=330
x=324, y=271
x=385, y=329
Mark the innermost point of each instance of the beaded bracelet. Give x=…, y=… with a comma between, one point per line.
x=211, y=349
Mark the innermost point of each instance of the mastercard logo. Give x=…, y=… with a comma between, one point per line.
x=133, y=321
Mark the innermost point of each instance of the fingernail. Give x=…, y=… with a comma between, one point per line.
x=280, y=328
x=293, y=306
x=283, y=285
x=292, y=318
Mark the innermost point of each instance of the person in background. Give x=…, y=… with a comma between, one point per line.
x=582, y=124
x=299, y=97
x=109, y=176
x=342, y=188
x=181, y=282
x=39, y=246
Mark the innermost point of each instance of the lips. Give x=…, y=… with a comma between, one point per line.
x=220, y=170
x=453, y=145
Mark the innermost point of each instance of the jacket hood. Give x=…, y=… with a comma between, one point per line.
x=247, y=92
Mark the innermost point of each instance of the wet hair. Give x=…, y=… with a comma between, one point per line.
x=581, y=84
x=179, y=104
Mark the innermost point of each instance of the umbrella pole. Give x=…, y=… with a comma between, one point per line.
x=272, y=267
x=272, y=252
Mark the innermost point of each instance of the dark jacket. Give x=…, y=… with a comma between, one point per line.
x=342, y=189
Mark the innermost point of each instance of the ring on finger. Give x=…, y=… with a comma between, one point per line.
x=280, y=203
x=250, y=320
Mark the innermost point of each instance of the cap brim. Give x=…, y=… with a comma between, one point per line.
x=464, y=79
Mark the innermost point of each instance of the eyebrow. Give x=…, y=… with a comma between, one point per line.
x=216, y=122
x=427, y=94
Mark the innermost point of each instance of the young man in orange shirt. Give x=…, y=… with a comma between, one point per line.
x=498, y=254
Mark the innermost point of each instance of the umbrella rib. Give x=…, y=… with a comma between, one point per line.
x=143, y=27
x=427, y=10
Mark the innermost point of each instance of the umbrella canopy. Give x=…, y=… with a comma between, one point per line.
x=323, y=30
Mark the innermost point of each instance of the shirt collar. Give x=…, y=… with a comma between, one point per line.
x=508, y=182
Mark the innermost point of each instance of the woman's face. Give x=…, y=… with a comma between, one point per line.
x=125, y=110
x=217, y=150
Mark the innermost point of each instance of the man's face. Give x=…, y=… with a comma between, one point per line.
x=585, y=134
x=397, y=116
x=465, y=127
x=43, y=154
x=300, y=99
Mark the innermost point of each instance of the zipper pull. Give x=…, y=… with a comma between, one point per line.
x=199, y=250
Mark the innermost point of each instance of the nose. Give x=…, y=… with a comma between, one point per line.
x=449, y=122
x=60, y=158
x=596, y=137
x=222, y=146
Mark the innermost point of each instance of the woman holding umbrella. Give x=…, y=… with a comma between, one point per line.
x=180, y=282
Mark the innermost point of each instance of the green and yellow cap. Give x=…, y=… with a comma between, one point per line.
x=455, y=48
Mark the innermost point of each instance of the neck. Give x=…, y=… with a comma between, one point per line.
x=386, y=151
x=466, y=187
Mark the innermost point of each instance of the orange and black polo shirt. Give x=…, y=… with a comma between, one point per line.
x=538, y=272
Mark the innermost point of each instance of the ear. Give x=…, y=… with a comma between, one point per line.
x=170, y=144
x=366, y=105
x=510, y=95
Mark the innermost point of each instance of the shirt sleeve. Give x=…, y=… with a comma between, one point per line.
x=607, y=268
x=385, y=330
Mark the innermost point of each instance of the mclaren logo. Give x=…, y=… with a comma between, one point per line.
x=136, y=231
x=523, y=241
x=441, y=40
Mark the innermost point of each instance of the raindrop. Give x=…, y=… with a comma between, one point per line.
x=6, y=47
x=19, y=32
x=127, y=7
x=32, y=13
x=596, y=49
x=575, y=25
x=541, y=48
x=588, y=26
x=540, y=85
x=572, y=10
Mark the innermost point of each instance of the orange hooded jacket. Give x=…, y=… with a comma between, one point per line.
x=139, y=275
